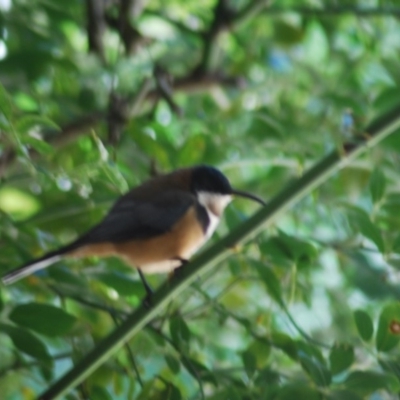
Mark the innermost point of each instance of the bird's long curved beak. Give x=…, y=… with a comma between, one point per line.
x=248, y=196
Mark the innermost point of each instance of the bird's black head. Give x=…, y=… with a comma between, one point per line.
x=209, y=179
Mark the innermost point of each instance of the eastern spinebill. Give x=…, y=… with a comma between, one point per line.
x=156, y=227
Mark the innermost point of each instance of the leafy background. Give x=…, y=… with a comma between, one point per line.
x=98, y=96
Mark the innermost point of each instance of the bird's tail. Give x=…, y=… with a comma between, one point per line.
x=35, y=265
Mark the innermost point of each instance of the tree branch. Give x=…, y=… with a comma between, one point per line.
x=250, y=10
x=136, y=105
x=67, y=134
x=187, y=30
x=225, y=17
x=95, y=26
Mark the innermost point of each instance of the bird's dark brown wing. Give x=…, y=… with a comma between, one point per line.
x=131, y=218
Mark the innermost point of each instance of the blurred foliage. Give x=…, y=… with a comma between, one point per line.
x=308, y=310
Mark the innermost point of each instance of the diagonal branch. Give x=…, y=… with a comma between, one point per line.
x=212, y=257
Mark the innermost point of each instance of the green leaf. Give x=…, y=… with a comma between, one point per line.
x=277, y=252
x=39, y=145
x=122, y=284
x=298, y=392
x=228, y=393
x=362, y=223
x=341, y=357
x=180, y=332
x=342, y=395
x=311, y=350
x=198, y=369
x=267, y=376
x=173, y=363
x=314, y=364
x=192, y=151
x=391, y=365
x=43, y=318
x=146, y=390
x=285, y=249
x=26, y=342
x=66, y=277
x=394, y=262
x=26, y=123
x=151, y=147
x=377, y=185
x=47, y=371
x=316, y=44
x=367, y=382
x=387, y=98
x=388, y=334
x=264, y=126
x=249, y=362
x=171, y=392
x=261, y=350
x=364, y=325
x=287, y=33
x=396, y=244
x=270, y=280
x=285, y=343
x=301, y=250
x=5, y=103
x=99, y=393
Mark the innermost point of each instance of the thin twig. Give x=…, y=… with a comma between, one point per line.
x=131, y=357
x=193, y=370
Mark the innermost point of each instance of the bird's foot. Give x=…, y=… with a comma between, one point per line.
x=177, y=271
x=148, y=300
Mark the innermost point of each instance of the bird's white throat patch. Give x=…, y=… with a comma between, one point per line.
x=215, y=204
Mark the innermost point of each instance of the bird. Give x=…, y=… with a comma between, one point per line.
x=155, y=227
